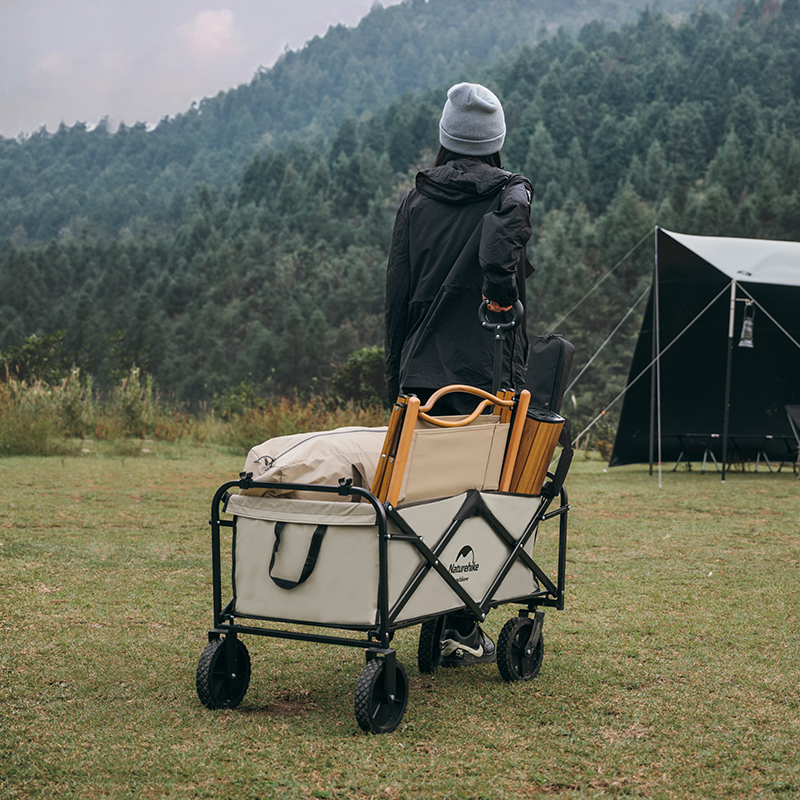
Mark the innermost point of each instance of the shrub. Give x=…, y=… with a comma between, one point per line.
x=361, y=378
x=28, y=421
x=38, y=358
x=233, y=403
x=134, y=405
x=76, y=405
x=172, y=425
x=284, y=416
x=37, y=419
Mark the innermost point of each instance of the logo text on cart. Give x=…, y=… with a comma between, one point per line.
x=465, y=563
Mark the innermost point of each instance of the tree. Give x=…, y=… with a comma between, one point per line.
x=345, y=141
x=575, y=172
x=710, y=213
x=790, y=11
x=655, y=172
x=38, y=358
x=541, y=164
x=688, y=141
x=608, y=158
x=728, y=169
x=360, y=378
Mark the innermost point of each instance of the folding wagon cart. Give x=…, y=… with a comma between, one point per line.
x=448, y=524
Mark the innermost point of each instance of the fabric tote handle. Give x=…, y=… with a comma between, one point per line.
x=311, y=558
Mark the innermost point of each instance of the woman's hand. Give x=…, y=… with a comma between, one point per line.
x=495, y=306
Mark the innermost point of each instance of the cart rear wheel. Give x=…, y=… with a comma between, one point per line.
x=514, y=663
x=375, y=712
x=216, y=687
x=429, y=651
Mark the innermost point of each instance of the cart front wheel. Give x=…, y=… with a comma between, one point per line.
x=515, y=660
x=376, y=712
x=429, y=651
x=217, y=686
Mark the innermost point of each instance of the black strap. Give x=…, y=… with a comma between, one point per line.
x=311, y=558
x=564, y=461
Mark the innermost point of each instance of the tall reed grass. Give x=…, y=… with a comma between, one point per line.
x=41, y=419
x=29, y=421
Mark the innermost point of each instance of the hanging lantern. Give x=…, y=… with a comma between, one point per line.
x=746, y=339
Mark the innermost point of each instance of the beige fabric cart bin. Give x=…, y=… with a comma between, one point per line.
x=342, y=588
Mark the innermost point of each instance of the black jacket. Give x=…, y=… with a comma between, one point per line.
x=460, y=234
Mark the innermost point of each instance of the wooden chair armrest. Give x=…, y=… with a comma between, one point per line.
x=488, y=399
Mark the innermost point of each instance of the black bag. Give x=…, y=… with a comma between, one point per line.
x=549, y=362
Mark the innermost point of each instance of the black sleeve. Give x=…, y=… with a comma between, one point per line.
x=503, y=238
x=396, y=310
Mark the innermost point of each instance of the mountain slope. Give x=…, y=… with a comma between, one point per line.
x=115, y=182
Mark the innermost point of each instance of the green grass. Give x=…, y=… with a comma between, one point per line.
x=672, y=672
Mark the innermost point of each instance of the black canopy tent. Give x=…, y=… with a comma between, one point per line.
x=705, y=393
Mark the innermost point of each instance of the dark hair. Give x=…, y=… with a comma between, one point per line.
x=445, y=156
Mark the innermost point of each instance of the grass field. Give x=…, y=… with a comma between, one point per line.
x=672, y=672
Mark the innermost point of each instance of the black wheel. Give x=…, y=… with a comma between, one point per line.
x=375, y=712
x=216, y=687
x=429, y=650
x=512, y=660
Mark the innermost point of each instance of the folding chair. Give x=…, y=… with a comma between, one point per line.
x=449, y=454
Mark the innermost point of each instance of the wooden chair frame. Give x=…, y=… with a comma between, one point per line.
x=407, y=410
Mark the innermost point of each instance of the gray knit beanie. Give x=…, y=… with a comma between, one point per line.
x=472, y=122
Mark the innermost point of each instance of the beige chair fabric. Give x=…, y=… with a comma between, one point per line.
x=447, y=461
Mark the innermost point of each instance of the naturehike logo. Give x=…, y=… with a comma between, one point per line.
x=464, y=564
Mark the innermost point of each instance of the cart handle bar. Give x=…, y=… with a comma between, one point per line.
x=500, y=327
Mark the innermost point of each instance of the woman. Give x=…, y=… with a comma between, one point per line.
x=459, y=237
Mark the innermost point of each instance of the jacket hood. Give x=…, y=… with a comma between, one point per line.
x=462, y=181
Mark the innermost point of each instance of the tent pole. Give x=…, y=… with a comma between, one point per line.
x=653, y=353
x=658, y=365
x=726, y=415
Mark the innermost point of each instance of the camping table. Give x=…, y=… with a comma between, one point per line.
x=743, y=448
x=744, y=444
x=694, y=443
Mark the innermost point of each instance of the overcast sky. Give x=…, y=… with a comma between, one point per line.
x=138, y=60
